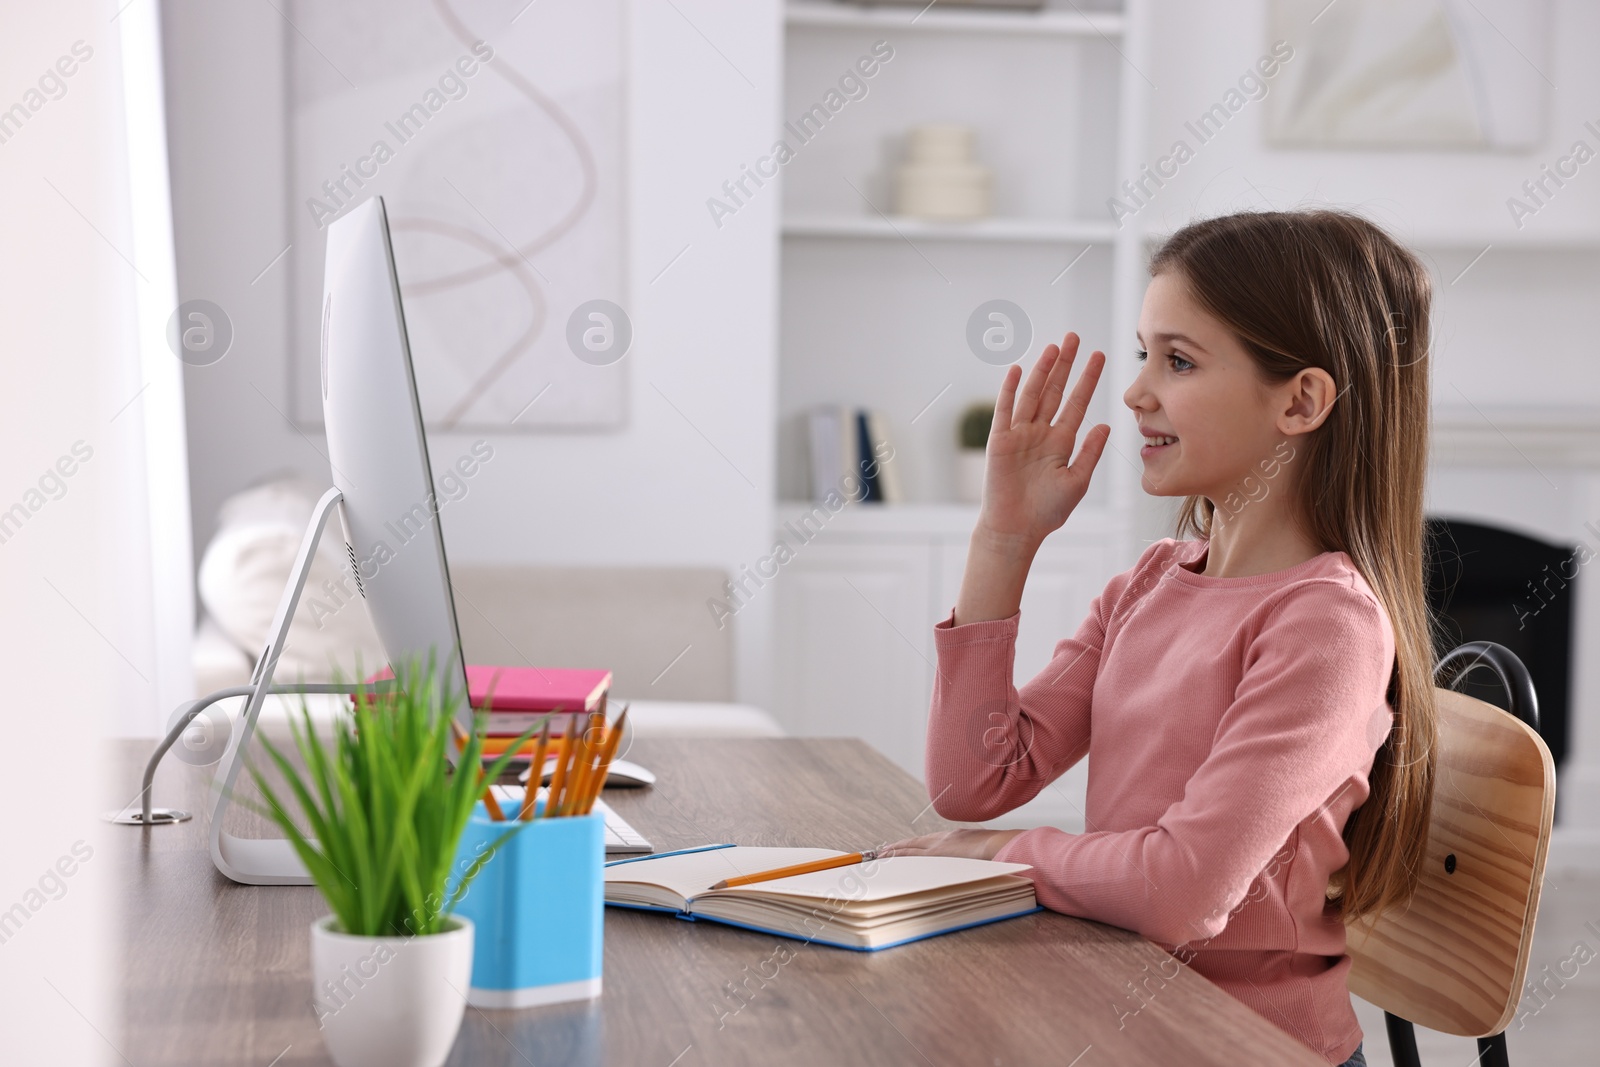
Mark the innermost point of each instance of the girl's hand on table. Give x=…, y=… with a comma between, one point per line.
x=969, y=844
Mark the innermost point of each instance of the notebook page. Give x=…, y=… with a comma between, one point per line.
x=695, y=872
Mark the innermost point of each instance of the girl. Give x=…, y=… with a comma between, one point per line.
x=1257, y=703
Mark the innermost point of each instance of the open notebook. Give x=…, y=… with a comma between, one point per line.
x=864, y=906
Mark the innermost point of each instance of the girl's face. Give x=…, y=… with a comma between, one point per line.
x=1199, y=385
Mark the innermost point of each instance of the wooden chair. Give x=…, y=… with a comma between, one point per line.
x=1455, y=959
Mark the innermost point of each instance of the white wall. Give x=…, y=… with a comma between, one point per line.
x=1198, y=52
x=225, y=135
x=1513, y=329
x=690, y=479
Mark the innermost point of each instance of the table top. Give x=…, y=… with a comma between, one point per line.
x=216, y=973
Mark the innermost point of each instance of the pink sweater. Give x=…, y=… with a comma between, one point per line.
x=1230, y=724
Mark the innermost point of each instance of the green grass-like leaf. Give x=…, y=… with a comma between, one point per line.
x=384, y=808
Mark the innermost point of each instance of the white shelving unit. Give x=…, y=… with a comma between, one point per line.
x=874, y=308
x=1056, y=106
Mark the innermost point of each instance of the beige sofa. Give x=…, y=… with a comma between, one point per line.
x=648, y=625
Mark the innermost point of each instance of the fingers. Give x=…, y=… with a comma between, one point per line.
x=1040, y=397
x=1003, y=403
x=1093, y=447
x=1028, y=398
x=1029, y=406
x=1078, y=403
x=1056, y=383
x=909, y=846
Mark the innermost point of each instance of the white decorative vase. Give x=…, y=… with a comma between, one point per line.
x=939, y=178
x=970, y=463
x=390, y=1001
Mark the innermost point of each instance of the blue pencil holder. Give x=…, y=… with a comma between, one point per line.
x=537, y=908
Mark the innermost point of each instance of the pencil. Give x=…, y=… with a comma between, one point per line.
x=490, y=804
x=583, y=766
x=530, y=795
x=597, y=781
x=591, y=765
x=796, y=868
x=607, y=754
x=578, y=774
x=552, y=800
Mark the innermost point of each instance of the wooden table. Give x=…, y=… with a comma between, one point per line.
x=216, y=973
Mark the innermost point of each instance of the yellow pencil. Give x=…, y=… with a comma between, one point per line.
x=594, y=741
x=530, y=795
x=607, y=754
x=588, y=748
x=578, y=774
x=552, y=801
x=797, y=868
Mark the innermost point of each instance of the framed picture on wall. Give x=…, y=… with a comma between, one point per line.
x=495, y=137
x=1407, y=74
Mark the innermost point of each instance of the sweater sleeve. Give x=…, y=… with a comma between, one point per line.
x=1308, y=714
x=991, y=747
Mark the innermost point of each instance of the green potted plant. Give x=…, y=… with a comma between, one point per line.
x=973, y=437
x=383, y=815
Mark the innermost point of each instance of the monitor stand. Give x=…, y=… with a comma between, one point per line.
x=267, y=861
x=252, y=861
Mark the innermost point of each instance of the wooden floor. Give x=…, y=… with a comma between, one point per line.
x=1562, y=1026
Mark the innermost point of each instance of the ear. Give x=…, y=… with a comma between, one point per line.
x=1307, y=399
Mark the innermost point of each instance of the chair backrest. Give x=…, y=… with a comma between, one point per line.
x=1455, y=959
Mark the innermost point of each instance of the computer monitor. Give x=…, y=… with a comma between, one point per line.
x=383, y=493
x=379, y=453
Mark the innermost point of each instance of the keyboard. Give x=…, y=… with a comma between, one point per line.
x=621, y=838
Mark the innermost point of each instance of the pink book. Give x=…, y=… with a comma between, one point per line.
x=523, y=694
x=536, y=688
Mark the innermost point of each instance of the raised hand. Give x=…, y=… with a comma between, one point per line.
x=1031, y=481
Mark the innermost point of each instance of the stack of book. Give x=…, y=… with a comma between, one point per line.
x=518, y=698
x=851, y=455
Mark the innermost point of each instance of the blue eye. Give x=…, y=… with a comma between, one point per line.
x=1141, y=355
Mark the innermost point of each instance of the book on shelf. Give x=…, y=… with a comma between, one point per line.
x=888, y=474
x=852, y=442
x=865, y=906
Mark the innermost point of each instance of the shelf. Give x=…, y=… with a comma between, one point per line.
x=991, y=229
x=1028, y=23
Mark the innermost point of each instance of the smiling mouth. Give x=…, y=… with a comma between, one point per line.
x=1155, y=445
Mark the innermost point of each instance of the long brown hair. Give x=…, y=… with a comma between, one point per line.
x=1328, y=289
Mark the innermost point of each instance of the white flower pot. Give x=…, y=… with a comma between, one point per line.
x=969, y=475
x=390, y=1001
